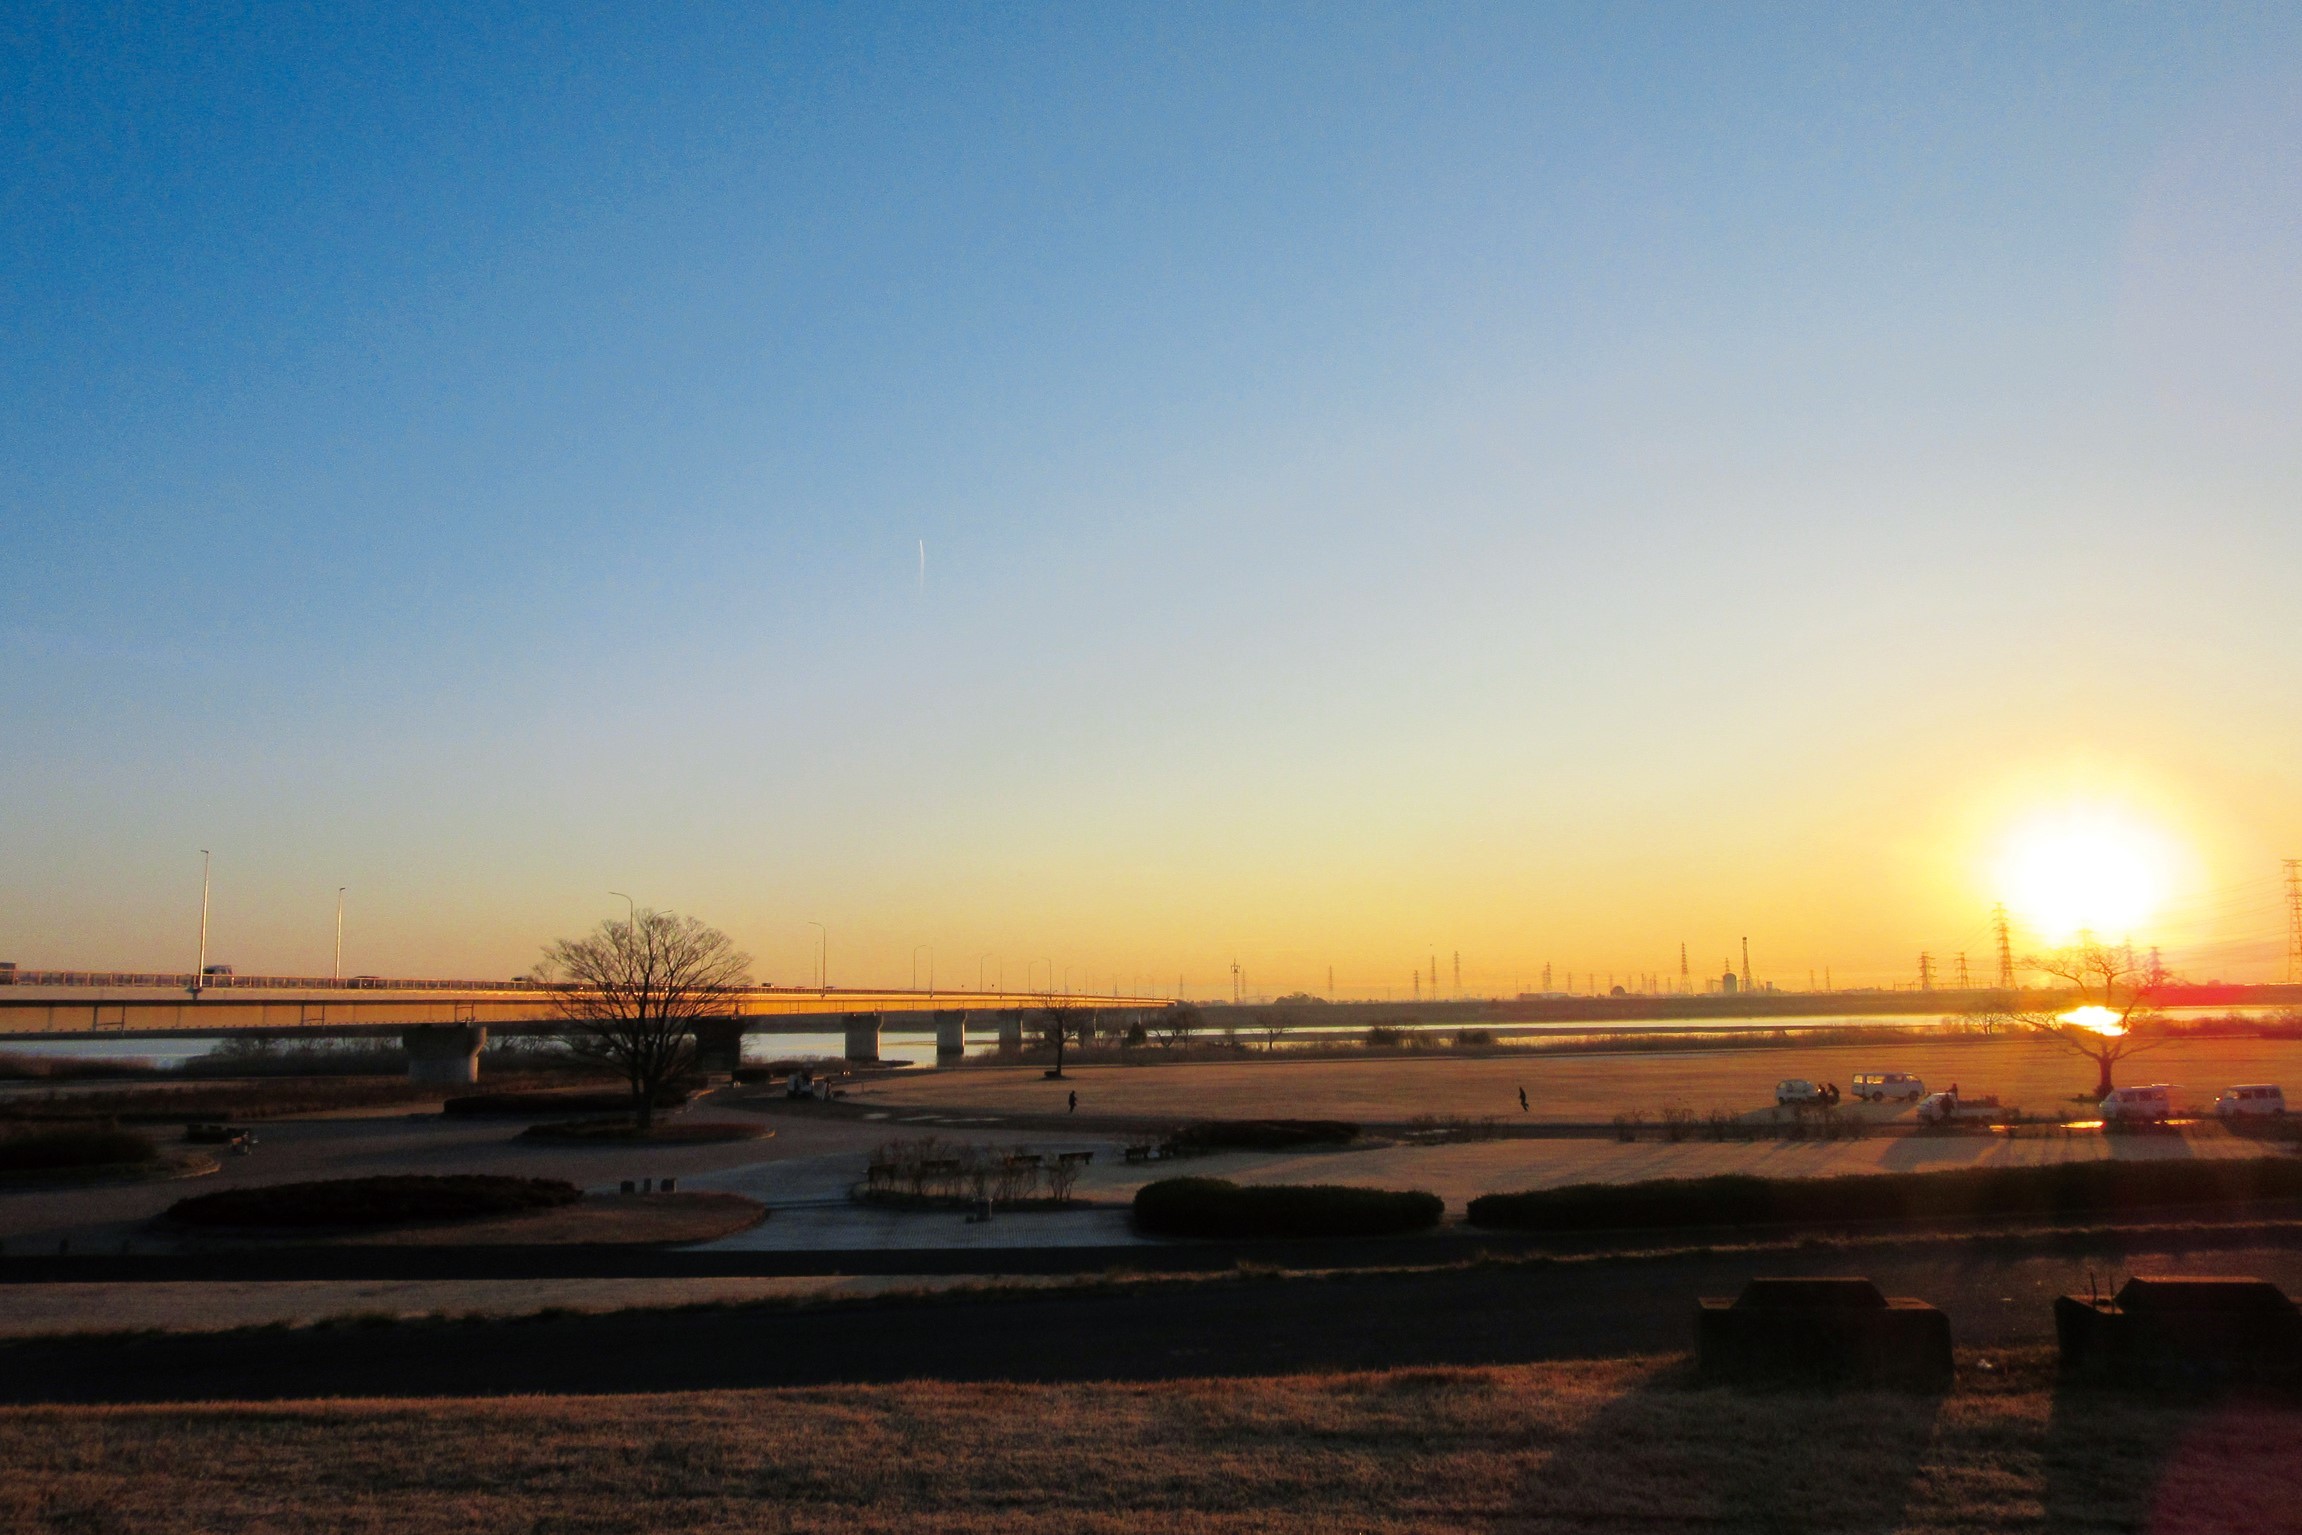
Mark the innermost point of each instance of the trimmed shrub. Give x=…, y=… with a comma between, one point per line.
x=1217, y=1207
x=71, y=1148
x=1260, y=1135
x=2062, y=1190
x=384, y=1201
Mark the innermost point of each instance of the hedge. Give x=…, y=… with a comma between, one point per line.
x=1216, y=1207
x=1260, y=1135
x=383, y=1201
x=2066, y=1189
x=73, y=1147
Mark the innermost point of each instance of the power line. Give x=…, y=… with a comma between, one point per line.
x=2293, y=920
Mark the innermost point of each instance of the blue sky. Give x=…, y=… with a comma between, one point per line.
x=1544, y=482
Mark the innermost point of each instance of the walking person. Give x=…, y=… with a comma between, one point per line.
x=1522, y=1100
x=1074, y=1100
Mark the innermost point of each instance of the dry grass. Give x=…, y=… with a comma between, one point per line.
x=2036, y=1075
x=1563, y=1447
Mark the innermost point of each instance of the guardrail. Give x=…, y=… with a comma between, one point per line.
x=184, y=980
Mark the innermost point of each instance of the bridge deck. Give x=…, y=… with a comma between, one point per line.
x=37, y=1007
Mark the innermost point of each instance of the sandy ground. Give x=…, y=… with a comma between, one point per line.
x=2035, y=1074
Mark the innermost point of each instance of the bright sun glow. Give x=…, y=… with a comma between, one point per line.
x=2084, y=870
x=2100, y=1019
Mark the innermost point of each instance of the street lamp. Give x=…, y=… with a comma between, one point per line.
x=630, y=911
x=338, y=977
x=200, y=970
x=822, y=958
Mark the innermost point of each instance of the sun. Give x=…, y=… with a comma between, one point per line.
x=2082, y=870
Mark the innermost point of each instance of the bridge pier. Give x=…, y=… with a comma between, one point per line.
x=1011, y=1031
x=950, y=1036
x=718, y=1046
x=863, y=1036
x=444, y=1052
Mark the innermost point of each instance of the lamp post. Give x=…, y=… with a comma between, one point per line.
x=822, y=958
x=200, y=969
x=338, y=977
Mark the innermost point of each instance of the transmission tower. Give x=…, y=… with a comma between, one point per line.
x=1746, y=964
x=1458, y=973
x=1546, y=975
x=2294, y=921
x=2005, y=947
x=1686, y=984
x=1926, y=972
x=1963, y=983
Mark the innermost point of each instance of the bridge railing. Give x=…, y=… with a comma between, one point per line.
x=183, y=980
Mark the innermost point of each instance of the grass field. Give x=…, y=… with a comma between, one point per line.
x=2035, y=1074
x=1566, y=1447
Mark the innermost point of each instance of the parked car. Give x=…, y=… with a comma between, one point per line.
x=2138, y=1105
x=1795, y=1092
x=1888, y=1087
x=2245, y=1102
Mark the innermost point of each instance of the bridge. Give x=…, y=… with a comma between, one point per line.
x=443, y=1023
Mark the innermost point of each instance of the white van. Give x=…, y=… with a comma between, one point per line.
x=2138, y=1105
x=2242, y=1102
x=1796, y=1092
x=1888, y=1086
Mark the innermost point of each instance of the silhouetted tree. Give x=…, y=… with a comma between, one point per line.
x=632, y=991
x=2110, y=989
x=1057, y=1018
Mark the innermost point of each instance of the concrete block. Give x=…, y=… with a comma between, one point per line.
x=863, y=1036
x=1822, y=1332
x=1011, y=1030
x=2182, y=1330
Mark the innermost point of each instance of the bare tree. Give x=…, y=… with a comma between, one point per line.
x=1057, y=1019
x=632, y=992
x=2111, y=1012
x=1178, y=1023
